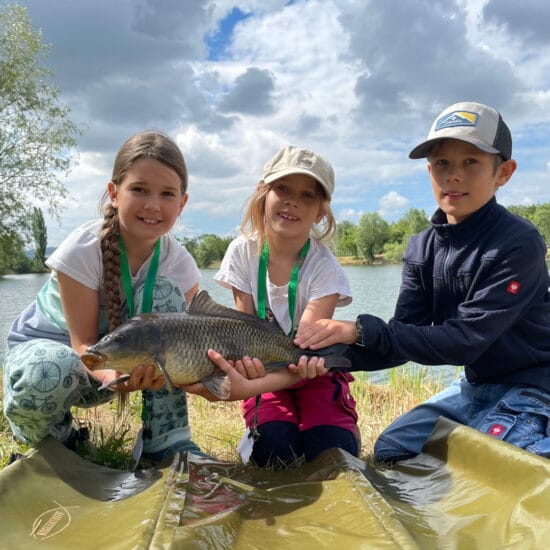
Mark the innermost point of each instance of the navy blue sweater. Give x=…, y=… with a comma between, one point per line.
x=472, y=294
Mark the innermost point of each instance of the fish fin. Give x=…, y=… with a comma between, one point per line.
x=160, y=362
x=218, y=383
x=203, y=304
x=109, y=385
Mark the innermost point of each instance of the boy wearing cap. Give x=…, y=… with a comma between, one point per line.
x=280, y=269
x=474, y=292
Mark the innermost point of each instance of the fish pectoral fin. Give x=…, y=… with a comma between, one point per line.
x=109, y=385
x=161, y=362
x=219, y=384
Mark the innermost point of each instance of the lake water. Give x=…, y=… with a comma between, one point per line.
x=374, y=290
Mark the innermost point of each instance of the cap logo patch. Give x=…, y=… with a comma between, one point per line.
x=456, y=118
x=513, y=287
x=305, y=162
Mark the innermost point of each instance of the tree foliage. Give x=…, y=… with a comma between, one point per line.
x=36, y=136
x=412, y=222
x=345, y=243
x=372, y=233
x=541, y=218
x=207, y=249
x=40, y=236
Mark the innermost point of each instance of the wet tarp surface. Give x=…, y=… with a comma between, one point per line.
x=466, y=490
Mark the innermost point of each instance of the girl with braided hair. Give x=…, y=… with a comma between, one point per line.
x=103, y=273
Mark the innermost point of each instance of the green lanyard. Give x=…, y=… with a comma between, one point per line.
x=292, y=285
x=147, y=302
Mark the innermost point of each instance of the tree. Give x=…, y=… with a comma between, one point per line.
x=36, y=135
x=40, y=236
x=207, y=248
x=372, y=233
x=412, y=222
x=345, y=241
x=541, y=219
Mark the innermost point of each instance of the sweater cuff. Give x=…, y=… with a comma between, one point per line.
x=359, y=327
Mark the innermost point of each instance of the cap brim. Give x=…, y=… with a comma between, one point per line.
x=282, y=173
x=423, y=150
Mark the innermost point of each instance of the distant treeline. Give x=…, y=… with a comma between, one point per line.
x=368, y=240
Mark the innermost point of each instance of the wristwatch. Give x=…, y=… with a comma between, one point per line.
x=359, y=327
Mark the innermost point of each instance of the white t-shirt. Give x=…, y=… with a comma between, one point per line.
x=320, y=275
x=79, y=257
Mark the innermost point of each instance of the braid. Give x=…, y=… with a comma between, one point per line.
x=110, y=250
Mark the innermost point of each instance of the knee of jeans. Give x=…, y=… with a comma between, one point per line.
x=389, y=451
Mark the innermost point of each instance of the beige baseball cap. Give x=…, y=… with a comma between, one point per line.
x=295, y=160
x=472, y=122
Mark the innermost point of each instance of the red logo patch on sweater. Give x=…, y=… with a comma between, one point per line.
x=513, y=287
x=496, y=430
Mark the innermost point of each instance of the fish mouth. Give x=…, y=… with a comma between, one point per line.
x=93, y=359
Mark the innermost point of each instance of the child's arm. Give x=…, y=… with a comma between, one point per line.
x=81, y=309
x=242, y=387
x=322, y=308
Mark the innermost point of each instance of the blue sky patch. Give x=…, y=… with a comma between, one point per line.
x=217, y=42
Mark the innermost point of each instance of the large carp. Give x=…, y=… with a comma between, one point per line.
x=177, y=343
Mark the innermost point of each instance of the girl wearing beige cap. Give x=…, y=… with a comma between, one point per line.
x=280, y=269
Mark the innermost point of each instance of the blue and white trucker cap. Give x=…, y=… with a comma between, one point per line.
x=472, y=122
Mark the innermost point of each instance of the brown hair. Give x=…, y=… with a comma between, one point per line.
x=253, y=224
x=151, y=144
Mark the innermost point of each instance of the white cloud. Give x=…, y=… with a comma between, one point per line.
x=392, y=205
x=358, y=81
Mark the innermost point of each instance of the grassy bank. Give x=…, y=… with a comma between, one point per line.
x=218, y=427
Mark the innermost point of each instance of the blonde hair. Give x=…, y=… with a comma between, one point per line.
x=253, y=224
x=150, y=144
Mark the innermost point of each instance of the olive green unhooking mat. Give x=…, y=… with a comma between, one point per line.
x=466, y=490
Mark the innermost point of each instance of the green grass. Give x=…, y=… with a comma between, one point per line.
x=217, y=427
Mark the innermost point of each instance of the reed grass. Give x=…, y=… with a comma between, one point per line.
x=218, y=426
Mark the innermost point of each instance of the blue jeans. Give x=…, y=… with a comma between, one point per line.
x=519, y=415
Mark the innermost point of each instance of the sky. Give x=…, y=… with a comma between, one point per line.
x=358, y=81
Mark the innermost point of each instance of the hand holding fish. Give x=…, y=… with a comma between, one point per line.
x=250, y=379
x=324, y=333
x=142, y=377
